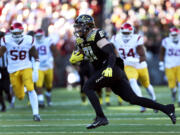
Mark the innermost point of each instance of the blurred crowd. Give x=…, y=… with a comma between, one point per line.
x=153, y=18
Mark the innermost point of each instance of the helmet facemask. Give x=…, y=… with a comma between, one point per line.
x=83, y=24
x=39, y=35
x=17, y=31
x=174, y=34
x=126, y=32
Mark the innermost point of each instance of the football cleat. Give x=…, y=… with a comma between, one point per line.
x=143, y=109
x=171, y=113
x=41, y=104
x=48, y=99
x=99, y=121
x=36, y=117
x=155, y=111
x=108, y=104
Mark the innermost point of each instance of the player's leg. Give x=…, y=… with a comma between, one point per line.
x=132, y=75
x=48, y=79
x=99, y=93
x=178, y=79
x=170, y=74
x=82, y=81
x=39, y=88
x=145, y=81
x=3, y=106
x=27, y=80
x=122, y=88
x=17, y=85
x=96, y=81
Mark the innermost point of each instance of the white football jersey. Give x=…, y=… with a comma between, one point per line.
x=45, y=55
x=172, y=53
x=18, y=54
x=127, y=50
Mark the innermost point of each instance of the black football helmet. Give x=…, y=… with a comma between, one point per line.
x=83, y=24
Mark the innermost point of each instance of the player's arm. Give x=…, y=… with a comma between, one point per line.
x=161, y=58
x=34, y=53
x=141, y=52
x=2, y=50
x=162, y=53
x=54, y=50
x=107, y=47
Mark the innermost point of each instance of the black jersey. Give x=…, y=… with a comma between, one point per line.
x=90, y=49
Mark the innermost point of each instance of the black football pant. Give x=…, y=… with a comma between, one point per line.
x=120, y=86
x=4, y=86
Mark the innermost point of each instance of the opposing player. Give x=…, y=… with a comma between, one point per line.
x=170, y=61
x=19, y=48
x=130, y=48
x=108, y=71
x=46, y=50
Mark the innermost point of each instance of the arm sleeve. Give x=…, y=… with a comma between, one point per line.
x=109, y=50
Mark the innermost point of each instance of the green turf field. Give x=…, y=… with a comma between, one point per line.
x=68, y=117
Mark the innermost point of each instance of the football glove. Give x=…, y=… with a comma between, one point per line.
x=76, y=57
x=161, y=66
x=107, y=72
x=35, y=73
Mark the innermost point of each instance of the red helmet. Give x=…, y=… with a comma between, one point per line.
x=17, y=29
x=174, y=33
x=39, y=32
x=126, y=31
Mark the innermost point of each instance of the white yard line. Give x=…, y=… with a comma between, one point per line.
x=84, y=114
x=69, y=119
x=95, y=132
x=75, y=125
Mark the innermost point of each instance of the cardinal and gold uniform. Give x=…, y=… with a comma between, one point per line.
x=46, y=63
x=19, y=64
x=172, y=61
x=127, y=51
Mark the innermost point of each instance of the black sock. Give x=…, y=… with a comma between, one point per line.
x=94, y=102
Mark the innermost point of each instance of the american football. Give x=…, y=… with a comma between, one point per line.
x=89, y=67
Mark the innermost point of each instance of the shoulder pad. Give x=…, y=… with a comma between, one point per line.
x=92, y=35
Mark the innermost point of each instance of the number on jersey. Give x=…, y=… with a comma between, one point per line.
x=21, y=55
x=89, y=53
x=129, y=54
x=173, y=52
x=42, y=50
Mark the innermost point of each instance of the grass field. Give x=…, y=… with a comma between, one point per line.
x=68, y=117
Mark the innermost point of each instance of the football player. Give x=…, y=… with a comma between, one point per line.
x=46, y=50
x=170, y=60
x=129, y=47
x=4, y=80
x=19, y=48
x=109, y=70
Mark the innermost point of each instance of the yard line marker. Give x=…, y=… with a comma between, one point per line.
x=74, y=125
x=68, y=119
x=98, y=132
x=86, y=114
